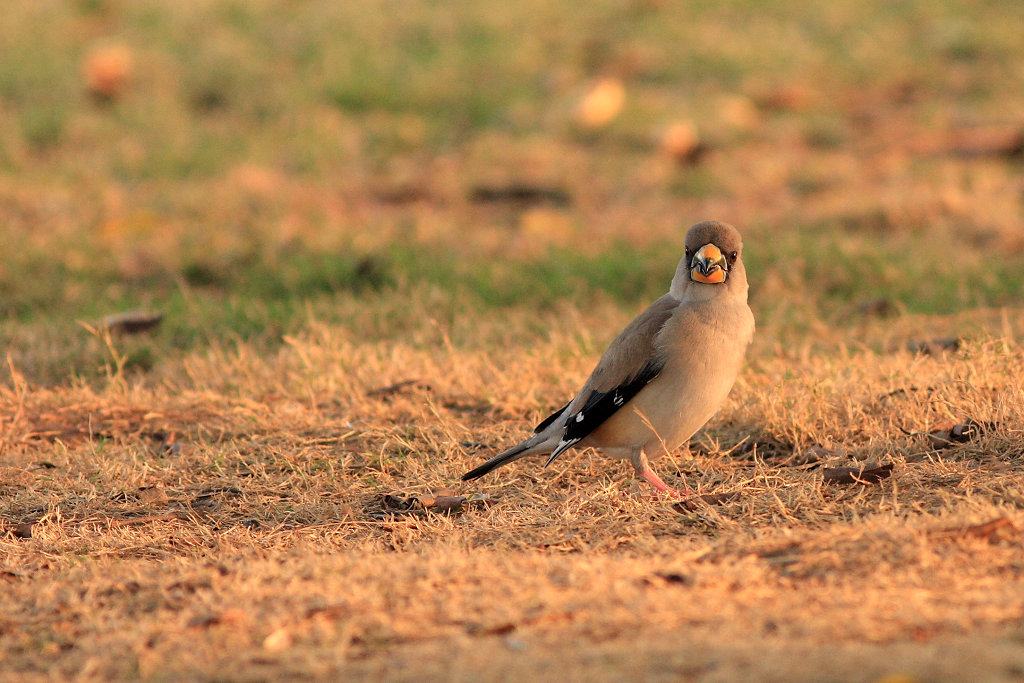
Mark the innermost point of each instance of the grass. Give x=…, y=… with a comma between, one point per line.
x=264, y=533
x=385, y=245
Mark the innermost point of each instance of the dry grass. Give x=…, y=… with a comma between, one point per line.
x=227, y=520
x=316, y=196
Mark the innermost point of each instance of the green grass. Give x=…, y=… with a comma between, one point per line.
x=235, y=184
x=827, y=274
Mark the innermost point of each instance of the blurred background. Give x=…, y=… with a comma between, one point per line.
x=243, y=166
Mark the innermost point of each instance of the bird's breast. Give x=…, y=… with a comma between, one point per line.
x=704, y=353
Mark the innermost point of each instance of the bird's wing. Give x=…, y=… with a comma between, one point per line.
x=549, y=420
x=629, y=364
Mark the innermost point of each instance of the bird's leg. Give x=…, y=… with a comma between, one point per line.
x=643, y=468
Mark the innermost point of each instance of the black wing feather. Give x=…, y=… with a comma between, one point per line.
x=549, y=419
x=600, y=405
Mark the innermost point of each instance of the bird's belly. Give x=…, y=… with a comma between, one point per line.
x=670, y=412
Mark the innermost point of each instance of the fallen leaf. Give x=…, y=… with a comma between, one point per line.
x=682, y=143
x=391, y=389
x=994, y=530
x=231, y=616
x=206, y=501
x=499, y=629
x=167, y=444
x=402, y=194
x=397, y=503
x=766, y=450
x=695, y=502
x=738, y=111
x=107, y=70
x=601, y=104
x=203, y=621
x=992, y=141
x=152, y=495
x=674, y=577
x=880, y=307
x=169, y=517
x=934, y=347
x=520, y=194
x=22, y=530
x=814, y=455
x=131, y=322
x=279, y=640
x=784, y=97
x=959, y=433
x=868, y=474
x=441, y=502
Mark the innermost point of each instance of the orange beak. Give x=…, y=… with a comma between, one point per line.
x=709, y=265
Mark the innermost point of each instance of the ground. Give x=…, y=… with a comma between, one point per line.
x=385, y=244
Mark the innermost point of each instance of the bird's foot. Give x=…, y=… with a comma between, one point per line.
x=663, y=490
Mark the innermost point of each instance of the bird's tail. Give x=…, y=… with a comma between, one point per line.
x=531, y=446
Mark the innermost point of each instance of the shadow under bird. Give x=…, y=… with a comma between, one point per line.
x=666, y=374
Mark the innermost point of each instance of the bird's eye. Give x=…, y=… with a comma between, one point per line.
x=733, y=256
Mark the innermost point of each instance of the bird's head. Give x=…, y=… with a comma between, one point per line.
x=712, y=256
x=712, y=249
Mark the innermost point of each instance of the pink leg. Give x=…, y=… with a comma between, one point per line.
x=643, y=468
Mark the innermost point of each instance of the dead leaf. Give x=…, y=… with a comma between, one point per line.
x=397, y=503
x=203, y=621
x=169, y=517
x=167, y=444
x=403, y=194
x=601, y=104
x=814, y=455
x=934, y=347
x=784, y=97
x=22, y=530
x=994, y=530
x=441, y=502
x=499, y=629
x=231, y=616
x=868, y=474
x=520, y=194
x=206, y=501
x=766, y=450
x=991, y=141
x=681, y=143
x=990, y=530
x=696, y=502
x=108, y=70
x=960, y=433
x=880, y=307
x=279, y=640
x=131, y=322
x=674, y=577
x=392, y=389
x=152, y=495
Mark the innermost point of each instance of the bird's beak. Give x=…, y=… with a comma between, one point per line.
x=709, y=265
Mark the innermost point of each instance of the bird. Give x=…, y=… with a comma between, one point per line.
x=666, y=374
